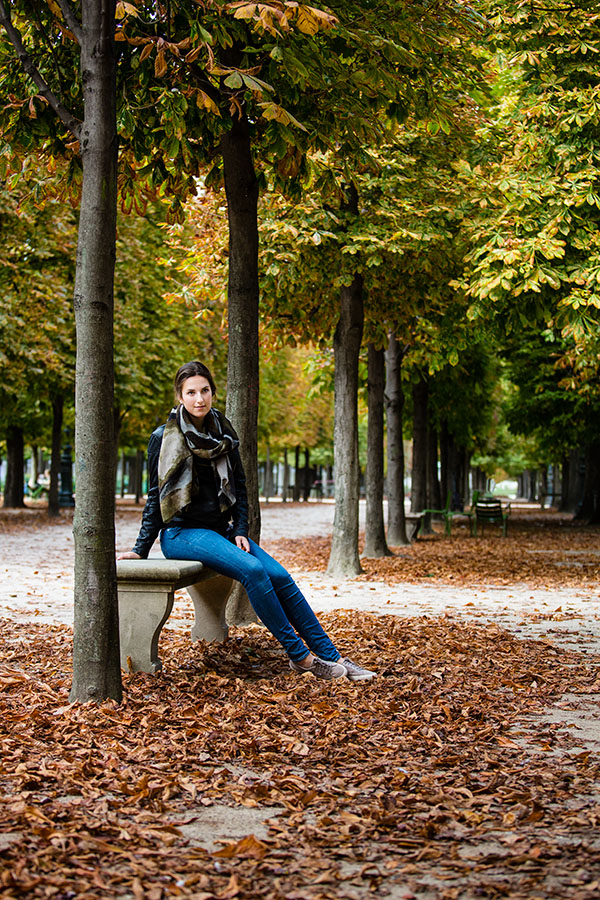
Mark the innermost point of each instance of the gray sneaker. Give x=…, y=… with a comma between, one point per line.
x=321, y=668
x=355, y=672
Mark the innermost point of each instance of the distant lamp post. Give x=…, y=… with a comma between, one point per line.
x=65, y=497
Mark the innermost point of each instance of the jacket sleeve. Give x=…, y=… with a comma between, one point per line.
x=239, y=511
x=151, y=518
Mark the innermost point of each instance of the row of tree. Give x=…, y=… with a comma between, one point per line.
x=375, y=131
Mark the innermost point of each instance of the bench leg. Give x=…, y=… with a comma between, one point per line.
x=142, y=615
x=210, y=600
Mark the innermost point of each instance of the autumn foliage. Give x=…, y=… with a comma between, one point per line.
x=439, y=779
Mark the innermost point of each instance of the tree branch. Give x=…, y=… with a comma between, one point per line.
x=67, y=118
x=71, y=20
x=49, y=44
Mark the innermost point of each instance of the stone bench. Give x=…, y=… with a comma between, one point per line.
x=146, y=589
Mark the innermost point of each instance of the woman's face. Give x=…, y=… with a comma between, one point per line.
x=196, y=397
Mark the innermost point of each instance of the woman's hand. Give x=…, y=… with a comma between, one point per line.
x=242, y=543
x=129, y=555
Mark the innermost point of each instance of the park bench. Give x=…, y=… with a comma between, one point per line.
x=487, y=510
x=146, y=589
x=37, y=490
x=446, y=514
x=412, y=523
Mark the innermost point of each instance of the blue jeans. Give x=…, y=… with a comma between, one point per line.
x=273, y=593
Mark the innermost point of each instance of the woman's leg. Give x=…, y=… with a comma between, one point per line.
x=215, y=551
x=296, y=607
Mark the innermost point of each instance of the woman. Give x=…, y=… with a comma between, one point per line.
x=197, y=501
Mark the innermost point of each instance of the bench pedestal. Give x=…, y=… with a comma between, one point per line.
x=146, y=589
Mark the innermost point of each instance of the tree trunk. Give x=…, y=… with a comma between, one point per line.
x=565, y=468
x=589, y=508
x=344, y=558
x=286, y=476
x=15, y=468
x=543, y=486
x=123, y=469
x=307, y=479
x=139, y=475
x=375, y=542
x=434, y=493
x=394, y=412
x=35, y=468
x=444, y=461
x=57, y=420
x=455, y=476
x=241, y=189
x=418, y=496
x=296, y=495
x=268, y=488
x=572, y=481
x=96, y=664
x=532, y=492
x=466, y=468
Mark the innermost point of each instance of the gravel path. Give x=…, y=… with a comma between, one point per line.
x=37, y=582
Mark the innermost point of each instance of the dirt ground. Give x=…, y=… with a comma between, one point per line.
x=468, y=768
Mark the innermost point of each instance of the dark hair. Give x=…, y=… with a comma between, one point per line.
x=189, y=370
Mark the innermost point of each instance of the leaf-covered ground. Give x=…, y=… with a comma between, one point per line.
x=440, y=779
x=542, y=549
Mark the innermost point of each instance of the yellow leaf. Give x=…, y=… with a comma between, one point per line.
x=160, y=64
x=206, y=102
x=146, y=51
x=193, y=55
x=125, y=9
x=248, y=11
x=310, y=20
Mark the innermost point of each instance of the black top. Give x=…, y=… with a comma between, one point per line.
x=203, y=511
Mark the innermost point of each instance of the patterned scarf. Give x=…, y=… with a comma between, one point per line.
x=181, y=442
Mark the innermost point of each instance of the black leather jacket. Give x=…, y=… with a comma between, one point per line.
x=203, y=511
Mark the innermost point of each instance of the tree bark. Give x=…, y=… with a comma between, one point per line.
x=418, y=496
x=296, y=494
x=96, y=665
x=565, y=469
x=434, y=493
x=35, y=467
x=532, y=485
x=589, y=508
x=57, y=420
x=444, y=461
x=572, y=481
x=307, y=479
x=15, y=466
x=286, y=476
x=139, y=474
x=344, y=558
x=394, y=412
x=466, y=468
x=268, y=488
x=543, y=492
x=375, y=542
x=241, y=189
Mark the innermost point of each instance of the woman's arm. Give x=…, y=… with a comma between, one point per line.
x=151, y=518
x=239, y=511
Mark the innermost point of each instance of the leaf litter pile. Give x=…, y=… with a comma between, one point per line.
x=543, y=549
x=440, y=779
